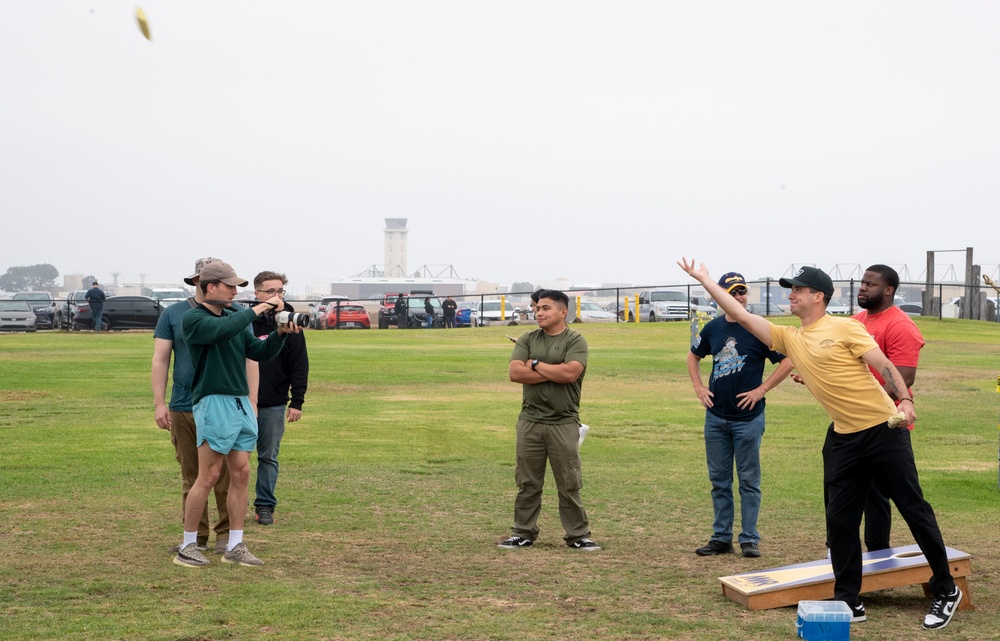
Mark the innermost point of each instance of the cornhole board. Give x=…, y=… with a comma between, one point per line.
x=813, y=581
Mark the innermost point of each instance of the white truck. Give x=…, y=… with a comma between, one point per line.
x=668, y=305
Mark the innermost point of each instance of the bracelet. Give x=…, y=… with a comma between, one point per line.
x=907, y=399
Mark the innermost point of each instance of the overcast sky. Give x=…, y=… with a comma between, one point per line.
x=594, y=141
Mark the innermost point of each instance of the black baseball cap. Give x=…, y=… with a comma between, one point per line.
x=810, y=277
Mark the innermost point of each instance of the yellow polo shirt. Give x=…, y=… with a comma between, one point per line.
x=827, y=354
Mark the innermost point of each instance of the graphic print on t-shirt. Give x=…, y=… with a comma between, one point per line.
x=728, y=360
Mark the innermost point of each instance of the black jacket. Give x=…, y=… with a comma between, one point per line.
x=289, y=370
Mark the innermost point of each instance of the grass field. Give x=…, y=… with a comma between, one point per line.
x=398, y=481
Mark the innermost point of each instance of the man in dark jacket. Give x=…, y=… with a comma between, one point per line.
x=402, y=312
x=95, y=296
x=289, y=372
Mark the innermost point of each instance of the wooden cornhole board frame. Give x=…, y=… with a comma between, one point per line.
x=813, y=581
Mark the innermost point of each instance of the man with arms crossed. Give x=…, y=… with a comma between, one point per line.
x=832, y=355
x=550, y=363
x=168, y=338
x=734, y=418
x=289, y=371
x=219, y=343
x=900, y=340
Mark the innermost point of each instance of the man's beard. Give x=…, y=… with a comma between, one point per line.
x=871, y=303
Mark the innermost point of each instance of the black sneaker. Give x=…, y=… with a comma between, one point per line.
x=858, y=613
x=584, y=544
x=715, y=547
x=265, y=516
x=943, y=608
x=515, y=542
x=750, y=550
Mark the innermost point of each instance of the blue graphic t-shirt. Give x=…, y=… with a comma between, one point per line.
x=737, y=366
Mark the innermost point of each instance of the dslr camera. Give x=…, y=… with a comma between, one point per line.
x=291, y=318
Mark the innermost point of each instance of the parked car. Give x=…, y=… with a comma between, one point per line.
x=953, y=309
x=489, y=311
x=913, y=309
x=762, y=309
x=346, y=315
x=17, y=316
x=466, y=314
x=121, y=312
x=841, y=306
x=67, y=307
x=166, y=297
x=416, y=312
x=593, y=311
x=43, y=305
x=318, y=310
x=387, y=310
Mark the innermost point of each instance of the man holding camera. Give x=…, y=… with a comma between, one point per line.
x=289, y=372
x=219, y=341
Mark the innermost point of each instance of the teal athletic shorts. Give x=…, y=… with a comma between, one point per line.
x=226, y=423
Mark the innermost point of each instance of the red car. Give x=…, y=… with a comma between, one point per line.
x=346, y=315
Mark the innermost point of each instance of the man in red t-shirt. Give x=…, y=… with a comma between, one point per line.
x=898, y=337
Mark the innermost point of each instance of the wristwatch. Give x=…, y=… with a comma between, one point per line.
x=534, y=364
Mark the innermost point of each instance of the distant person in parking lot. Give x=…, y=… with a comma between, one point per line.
x=429, y=312
x=449, y=308
x=402, y=312
x=95, y=296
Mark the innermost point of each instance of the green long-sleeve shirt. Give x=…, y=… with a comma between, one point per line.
x=219, y=347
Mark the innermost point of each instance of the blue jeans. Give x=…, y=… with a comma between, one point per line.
x=96, y=313
x=726, y=441
x=270, y=429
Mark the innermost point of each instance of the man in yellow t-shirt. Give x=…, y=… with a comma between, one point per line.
x=832, y=355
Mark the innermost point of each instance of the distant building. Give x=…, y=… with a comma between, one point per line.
x=395, y=247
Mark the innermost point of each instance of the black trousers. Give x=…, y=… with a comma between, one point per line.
x=883, y=455
x=878, y=512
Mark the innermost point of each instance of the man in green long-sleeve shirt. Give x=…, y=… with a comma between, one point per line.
x=219, y=341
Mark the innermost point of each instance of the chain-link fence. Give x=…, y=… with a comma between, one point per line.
x=677, y=302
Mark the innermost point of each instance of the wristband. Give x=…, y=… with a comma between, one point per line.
x=907, y=399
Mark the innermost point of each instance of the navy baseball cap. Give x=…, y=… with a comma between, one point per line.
x=732, y=280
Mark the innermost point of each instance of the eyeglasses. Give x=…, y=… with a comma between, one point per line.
x=738, y=291
x=272, y=291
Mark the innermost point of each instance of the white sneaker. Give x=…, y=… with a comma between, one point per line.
x=583, y=432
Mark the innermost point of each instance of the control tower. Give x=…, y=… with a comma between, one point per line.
x=395, y=247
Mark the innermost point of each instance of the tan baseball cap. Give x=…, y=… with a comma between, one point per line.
x=198, y=264
x=220, y=271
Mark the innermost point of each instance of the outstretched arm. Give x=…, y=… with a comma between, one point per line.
x=756, y=325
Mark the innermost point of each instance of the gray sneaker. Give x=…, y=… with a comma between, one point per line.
x=176, y=547
x=191, y=557
x=240, y=555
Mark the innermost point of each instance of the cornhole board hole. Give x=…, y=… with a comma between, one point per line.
x=813, y=581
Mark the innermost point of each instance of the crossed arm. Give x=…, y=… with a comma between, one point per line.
x=521, y=372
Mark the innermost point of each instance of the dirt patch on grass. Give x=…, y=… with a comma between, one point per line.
x=21, y=395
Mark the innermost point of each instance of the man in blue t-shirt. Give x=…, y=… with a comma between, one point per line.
x=734, y=418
